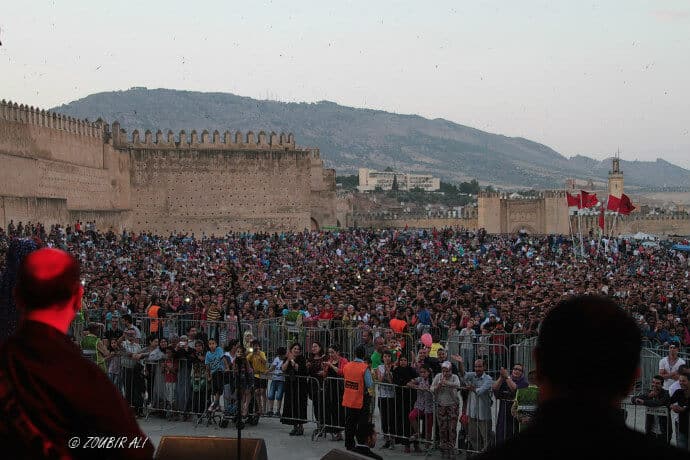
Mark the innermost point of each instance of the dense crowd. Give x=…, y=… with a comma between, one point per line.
x=456, y=284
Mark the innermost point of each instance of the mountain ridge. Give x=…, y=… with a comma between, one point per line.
x=350, y=138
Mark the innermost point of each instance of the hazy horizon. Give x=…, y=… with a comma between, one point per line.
x=581, y=79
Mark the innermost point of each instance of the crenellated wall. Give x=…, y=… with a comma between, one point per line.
x=60, y=169
x=54, y=159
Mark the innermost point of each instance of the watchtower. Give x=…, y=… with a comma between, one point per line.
x=616, y=177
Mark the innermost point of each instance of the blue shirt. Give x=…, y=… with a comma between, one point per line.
x=368, y=379
x=214, y=360
x=424, y=317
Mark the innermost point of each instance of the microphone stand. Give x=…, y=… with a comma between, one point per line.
x=238, y=380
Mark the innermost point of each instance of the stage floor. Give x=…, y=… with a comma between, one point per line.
x=278, y=443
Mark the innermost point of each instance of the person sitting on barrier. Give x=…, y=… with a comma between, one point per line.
x=655, y=426
x=581, y=387
x=358, y=383
x=275, y=391
x=479, y=384
x=445, y=387
x=423, y=407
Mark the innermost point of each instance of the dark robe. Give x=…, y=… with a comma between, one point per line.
x=295, y=399
x=405, y=398
x=63, y=395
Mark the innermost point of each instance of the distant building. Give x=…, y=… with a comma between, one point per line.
x=369, y=180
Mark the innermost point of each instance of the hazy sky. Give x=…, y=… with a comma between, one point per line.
x=581, y=77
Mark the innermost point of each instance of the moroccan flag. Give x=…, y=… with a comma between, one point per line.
x=601, y=219
x=572, y=200
x=626, y=206
x=588, y=200
x=613, y=203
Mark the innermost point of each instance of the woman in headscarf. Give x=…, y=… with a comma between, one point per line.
x=315, y=371
x=295, y=402
x=333, y=388
x=405, y=398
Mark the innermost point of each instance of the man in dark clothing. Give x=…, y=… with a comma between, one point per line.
x=366, y=439
x=51, y=399
x=578, y=415
x=657, y=426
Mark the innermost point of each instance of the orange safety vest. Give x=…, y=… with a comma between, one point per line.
x=353, y=396
x=153, y=314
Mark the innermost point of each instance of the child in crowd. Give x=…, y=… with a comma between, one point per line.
x=423, y=407
x=199, y=387
x=275, y=391
x=170, y=369
x=114, y=363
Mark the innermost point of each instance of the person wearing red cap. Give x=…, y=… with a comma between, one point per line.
x=50, y=396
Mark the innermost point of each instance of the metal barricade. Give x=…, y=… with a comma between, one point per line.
x=655, y=422
x=296, y=401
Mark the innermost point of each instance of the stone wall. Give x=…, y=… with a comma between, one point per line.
x=52, y=165
x=31, y=209
x=218, y=191
x=419, y=223
x=59, y=169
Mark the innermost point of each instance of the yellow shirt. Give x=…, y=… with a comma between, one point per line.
x=433, y=352
x=258, y=362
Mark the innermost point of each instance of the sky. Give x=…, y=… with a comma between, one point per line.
x=582, y=77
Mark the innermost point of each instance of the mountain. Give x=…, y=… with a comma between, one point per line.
x=350, y=138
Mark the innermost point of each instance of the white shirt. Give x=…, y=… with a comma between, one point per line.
x=664, y=364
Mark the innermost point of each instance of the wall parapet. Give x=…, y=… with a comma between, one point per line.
x=30, y=115
x=228, y=140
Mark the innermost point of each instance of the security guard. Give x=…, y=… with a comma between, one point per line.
x=358, y=383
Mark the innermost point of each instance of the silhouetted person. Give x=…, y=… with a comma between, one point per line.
x=9, y=316
x=587, y=360
x=49, y=394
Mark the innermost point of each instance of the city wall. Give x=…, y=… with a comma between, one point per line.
x=470, y=224
x=57, y=169
x=52, y=165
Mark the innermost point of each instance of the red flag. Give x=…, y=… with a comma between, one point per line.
x=588, y=200
x=626, y=206
x=573, y=201
x=613, y=204
x=601, y=219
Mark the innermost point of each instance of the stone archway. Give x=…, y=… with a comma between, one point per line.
x=314, y=225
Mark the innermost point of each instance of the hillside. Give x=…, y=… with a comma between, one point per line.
x=350, y=138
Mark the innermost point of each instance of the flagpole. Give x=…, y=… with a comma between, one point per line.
x=570, y=225
x=579, y=226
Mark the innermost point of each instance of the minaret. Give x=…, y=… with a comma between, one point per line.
x=616, y=177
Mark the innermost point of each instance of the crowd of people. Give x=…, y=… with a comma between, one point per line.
x=460, y=286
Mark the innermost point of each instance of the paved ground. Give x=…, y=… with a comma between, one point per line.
x=278, y=444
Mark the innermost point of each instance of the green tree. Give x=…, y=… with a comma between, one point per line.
x=394, y=187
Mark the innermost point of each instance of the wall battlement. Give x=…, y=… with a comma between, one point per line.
x=58, y=169
x=217, y=141
x=30, y=115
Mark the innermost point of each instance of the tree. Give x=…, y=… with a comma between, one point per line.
x=394, y=187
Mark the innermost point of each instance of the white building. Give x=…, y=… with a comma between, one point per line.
x=370, y=179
